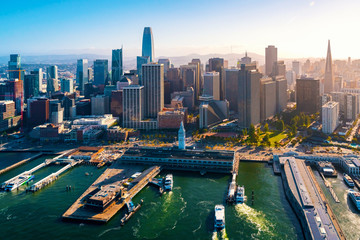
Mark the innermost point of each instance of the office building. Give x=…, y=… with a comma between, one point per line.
x=101, y=72
x=188, y=97
x=82, y=74
x=212, y=112
x=249, y=96
x=267, y=98
x=83, y=107
x=7, y=115
x=116, y=65
x=271, y=59
x=231, y=93
x=52, y=72
x=167, y=64
x=244, y=60
x=116, y=103
x=38, y=109
x=33, y=83
x=212, y=85
x=90, y=75
x=13, y=66
x=153, y=82
x=56, y=112
x=124, y=82
x=13, y=90
x=139, y=62
x=171, y=118
x=308, y=95
x=218, y=65
x=67, y=85
x=148, y=44
x=291, y=79
x=279, y=69
x=330, y=117
x=100, y=105
x=296, y=68
x=176, y=83
x=329, y=78
x=52, y=86
x=281, y=93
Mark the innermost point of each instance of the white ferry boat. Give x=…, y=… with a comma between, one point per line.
x=219, y=223
x=18, y=182
x=240, y=195
x=348, y=180
x=355, y=197
x=168, y=183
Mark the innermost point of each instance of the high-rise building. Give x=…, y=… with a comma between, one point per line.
x=148, y=44
x=124, y=82
x=271, y=59
x=308, y=95
x=166, y=62
x=100, y=105
x=296, y=68
x=139, y=62
x=52, y=85
x=174, y=77
x=13, y=65
x=33, y=83
x=212, y=85
x=153, y=81
x=244, y=60
x=218, y=65
x=330, y=117
x=38, y=111
x=82, y=74
x=13, y=90
x=212, y=112
x=56, y=112
x=248, y=96
x=267, y=98
x=101, y=72
x=90, y=75
x=231, y=93
x=52, y=72
x=329, y=78
x=291, y=79
x=281, y=93
x=133, y=108
x=116, y=65
x=279, y=69
x=116, y=108
x=67, y=85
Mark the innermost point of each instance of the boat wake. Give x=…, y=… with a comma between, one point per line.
x=255, y=217
x=220, y=235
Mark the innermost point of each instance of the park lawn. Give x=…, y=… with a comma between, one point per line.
x=274, y=136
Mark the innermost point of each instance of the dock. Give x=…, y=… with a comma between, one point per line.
x=52, y=177
x=115, y=175
x=329, y=186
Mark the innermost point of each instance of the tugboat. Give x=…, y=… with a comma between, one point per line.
x=219, y=223
x=349, y=181
x=240, y=195
x=168, y=183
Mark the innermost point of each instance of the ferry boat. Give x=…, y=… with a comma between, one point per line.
x=348, y=180
x=240, y=197
x=18, y=182
x=219, y=223
x=355, y=197
x=168, y=183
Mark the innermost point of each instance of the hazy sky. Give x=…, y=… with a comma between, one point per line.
x=299, y=28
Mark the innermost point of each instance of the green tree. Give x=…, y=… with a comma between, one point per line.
x=280, y=125
x=266, y=140
x=252, y=134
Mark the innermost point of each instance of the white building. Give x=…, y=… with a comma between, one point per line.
x=330, y=117
x=181, y=136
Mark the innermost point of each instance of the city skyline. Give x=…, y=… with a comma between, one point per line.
x=299, y=30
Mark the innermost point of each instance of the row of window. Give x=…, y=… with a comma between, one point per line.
x=179, y=160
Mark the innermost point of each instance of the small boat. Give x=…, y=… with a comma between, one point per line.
x=240, y=197
x=355, y=197
x=15, y=184
x=349, y=181
x=168, y=183
x=219, y=223
x=86, y=174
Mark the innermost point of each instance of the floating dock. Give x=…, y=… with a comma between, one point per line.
x=113, y=176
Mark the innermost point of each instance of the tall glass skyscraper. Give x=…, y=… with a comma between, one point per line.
x=14, y=64
x=139, y=62
x=116, y=65
x=82, y=73
x=148, y=44
x=101, y=72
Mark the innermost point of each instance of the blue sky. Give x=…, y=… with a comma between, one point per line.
x=299, y=28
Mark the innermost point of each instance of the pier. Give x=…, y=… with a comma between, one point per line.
x=329, y=186
x=52, y=177
x=115, y=176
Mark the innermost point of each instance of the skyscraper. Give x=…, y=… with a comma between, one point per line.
x=212, y=85
x=32, y=83
x=116, y=65
x=101, y=72
x=248, y=96
x=270, y=59
x=139, y=62
x=218, y=65
x=296, y=67
x=14, y=64
x=133, y=106
x=308, y=95
x=82, y=74
x=67, y=85
x=148, y=44
x=166, y=62
x=153, y=81
x=328, y=79
x=52, y=72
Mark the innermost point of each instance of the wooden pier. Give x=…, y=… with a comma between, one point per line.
x=114, y=175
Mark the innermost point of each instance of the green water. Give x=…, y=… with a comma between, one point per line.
x=185, y=213
x=345, y=211
x=8, y=159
